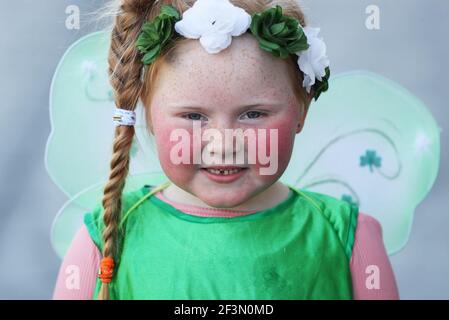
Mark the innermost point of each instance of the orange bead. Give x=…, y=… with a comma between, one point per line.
x=106, y=269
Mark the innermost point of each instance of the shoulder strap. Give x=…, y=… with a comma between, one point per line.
x=149, y=194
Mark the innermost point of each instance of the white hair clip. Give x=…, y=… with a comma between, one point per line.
x=124, y=117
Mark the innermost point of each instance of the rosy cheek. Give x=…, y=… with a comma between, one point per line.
x=182, y=173
x=284, y=140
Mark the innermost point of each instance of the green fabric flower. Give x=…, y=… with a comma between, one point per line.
x=281, y=35
x=157, y=33
x=321, y=86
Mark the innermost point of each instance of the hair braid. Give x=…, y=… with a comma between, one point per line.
x=125, y=70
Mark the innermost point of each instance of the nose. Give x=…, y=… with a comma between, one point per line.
x=222, y=144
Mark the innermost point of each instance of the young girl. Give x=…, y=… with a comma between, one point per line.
x=217, y=230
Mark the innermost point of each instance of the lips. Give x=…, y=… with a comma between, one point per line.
x=224, y=174
x=224, y=167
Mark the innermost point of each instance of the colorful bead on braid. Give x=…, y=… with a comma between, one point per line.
x=106, y=269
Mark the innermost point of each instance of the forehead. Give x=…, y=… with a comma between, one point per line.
x=243, y=71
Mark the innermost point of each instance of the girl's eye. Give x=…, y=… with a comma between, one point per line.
x=193, y=116
x=254, y=114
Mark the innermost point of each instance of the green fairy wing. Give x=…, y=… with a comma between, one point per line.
x=79, y=147
x=370, y=142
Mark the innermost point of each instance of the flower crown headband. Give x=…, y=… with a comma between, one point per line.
x=215, y=22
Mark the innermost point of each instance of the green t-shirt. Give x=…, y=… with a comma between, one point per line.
x=298, y=249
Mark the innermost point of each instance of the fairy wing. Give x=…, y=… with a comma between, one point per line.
x=79, y=147
x=370, y=142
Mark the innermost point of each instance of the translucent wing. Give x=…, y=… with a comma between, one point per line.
x=369, y=141
x=79, y=147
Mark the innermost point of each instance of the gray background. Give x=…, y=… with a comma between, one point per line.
x=411, y=48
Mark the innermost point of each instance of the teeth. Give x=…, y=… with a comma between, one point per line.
x=223, y=172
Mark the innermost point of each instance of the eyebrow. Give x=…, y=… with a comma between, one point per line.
x=240, y=108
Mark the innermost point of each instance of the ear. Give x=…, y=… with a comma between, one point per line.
x=302, y=118
x=150, y=127
x=149, y=121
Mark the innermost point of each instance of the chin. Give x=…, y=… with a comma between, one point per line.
x=224, y=199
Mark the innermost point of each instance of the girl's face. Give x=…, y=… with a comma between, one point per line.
x=242, y=87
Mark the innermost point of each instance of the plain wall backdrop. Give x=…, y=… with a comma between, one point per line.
x=410, y=48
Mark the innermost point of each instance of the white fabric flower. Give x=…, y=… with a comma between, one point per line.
x=313, y=61
x=214, y=22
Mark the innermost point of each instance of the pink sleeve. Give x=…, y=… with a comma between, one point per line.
x=77, y=275
x=372, y=274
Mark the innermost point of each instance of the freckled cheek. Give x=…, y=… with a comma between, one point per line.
x=179, y=172
x=284, y=140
